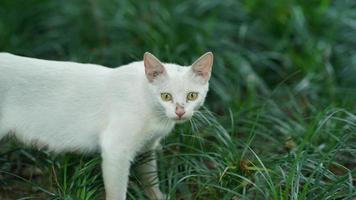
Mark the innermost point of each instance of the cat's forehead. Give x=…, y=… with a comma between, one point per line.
x=175, y=70
x=179, y=76
x=180, y=80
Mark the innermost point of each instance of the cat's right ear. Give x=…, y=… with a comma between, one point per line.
x=153, y=67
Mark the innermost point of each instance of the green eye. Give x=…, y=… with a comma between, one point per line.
x=192, y=96
x=166, y=97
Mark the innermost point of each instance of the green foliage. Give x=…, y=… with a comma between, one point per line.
x=283, y=93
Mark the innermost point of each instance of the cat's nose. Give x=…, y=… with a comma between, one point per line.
x=180, y=111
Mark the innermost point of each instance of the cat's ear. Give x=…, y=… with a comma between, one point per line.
x=153, y=67
x=202, y=66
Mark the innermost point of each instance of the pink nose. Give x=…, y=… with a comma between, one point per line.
x=180, y=111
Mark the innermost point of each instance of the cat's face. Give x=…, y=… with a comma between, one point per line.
x=179, y=90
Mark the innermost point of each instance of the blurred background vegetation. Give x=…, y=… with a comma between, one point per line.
x=282, y=123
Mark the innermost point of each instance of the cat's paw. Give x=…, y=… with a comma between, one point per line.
x=157, y=195
x=162, y=196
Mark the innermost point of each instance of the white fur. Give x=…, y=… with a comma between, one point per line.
x=69, y=106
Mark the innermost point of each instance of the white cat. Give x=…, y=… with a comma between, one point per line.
x=67, y=106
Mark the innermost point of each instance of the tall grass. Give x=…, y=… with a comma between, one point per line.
x=282, y=99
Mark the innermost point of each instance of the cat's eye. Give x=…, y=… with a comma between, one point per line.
x=192, y=96
x=166, y=96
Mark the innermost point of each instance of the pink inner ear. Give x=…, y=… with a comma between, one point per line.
x=155, y=73
x=153, y=67
x=203, y=73
x=202, y=67
x=152, y=74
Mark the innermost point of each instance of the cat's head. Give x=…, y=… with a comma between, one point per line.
x=180, y=90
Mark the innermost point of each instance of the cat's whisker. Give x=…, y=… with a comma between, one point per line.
x=193, y=125
x=205, y=116
x=160, y=114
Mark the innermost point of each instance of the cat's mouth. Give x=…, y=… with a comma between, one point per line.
x=180, y=120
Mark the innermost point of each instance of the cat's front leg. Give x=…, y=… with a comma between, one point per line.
x=115, y=174
x=116, y=155
x=147, y=172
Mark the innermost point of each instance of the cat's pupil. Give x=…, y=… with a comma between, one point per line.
x=192, y=96
x=166, y=96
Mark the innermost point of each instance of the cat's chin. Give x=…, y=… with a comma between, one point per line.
x=180, y=120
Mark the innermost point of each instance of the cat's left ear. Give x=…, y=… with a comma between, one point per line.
x=202, y=66
x=153, y=67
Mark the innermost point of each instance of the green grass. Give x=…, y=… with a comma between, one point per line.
x=282, y=99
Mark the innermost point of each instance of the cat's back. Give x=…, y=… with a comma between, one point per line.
x=11, y=64
x=26, y=74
